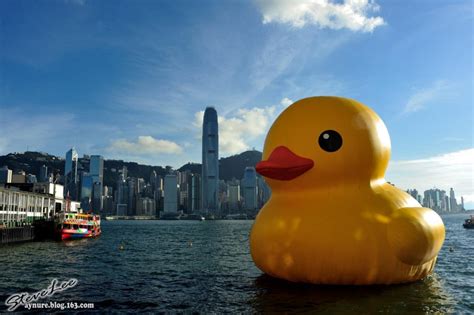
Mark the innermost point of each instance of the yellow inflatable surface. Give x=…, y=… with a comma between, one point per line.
x=332, y=218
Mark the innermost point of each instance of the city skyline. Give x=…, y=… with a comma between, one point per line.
x=123, y=196
x=136, y=90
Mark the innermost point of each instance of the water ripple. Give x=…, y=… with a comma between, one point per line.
x=205, y=267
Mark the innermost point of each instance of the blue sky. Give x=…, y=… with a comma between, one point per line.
x=130, y=79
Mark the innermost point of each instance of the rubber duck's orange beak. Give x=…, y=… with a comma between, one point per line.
x=282, y=164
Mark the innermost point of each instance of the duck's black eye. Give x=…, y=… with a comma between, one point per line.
x=330, y=140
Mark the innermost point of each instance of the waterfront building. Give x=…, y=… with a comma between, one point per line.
x=210, y=161
x=5, y=175
x=189, y=191
x=122, y=209
x=159, y=199
x=171, y=193
x=19, y=206
x=121, y=194
x=108, y=205
x=146, y=206
x=52, y=189
x=249, y=188
x=71, y=180
x=194, y=192
x=222, y=199
x=462, y=204
x=233, y=196
x=439, y=201
x=452, y=199
x=132, y=195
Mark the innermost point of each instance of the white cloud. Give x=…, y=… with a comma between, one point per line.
x=286, y=102
x=145, y=145
x=246, y=125
x=350, y=14
x=424, y=96
x=455, y=169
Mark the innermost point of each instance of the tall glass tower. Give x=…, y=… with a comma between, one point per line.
x=210, y=161
x=71, y=181
x=249, y=187
x=96, y=171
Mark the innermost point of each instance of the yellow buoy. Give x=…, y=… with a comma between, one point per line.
x=332, y=218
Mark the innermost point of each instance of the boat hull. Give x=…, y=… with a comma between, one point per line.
x=74, y=235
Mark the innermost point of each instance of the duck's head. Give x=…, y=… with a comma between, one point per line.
x=321, y=141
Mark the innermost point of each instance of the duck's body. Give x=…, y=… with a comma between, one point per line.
x=345, y=230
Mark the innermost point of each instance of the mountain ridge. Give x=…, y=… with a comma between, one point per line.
x=30, y=161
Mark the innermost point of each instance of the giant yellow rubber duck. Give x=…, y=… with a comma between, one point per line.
x=332, y=218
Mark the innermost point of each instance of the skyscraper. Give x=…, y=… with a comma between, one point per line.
x=452, y=200
x=210, y=161
x=249, y=188
x=71, y=180
x=96, y=168
x=87, y=185
x=233, y=192
x=171, y=193
x=96, y=171
x=43, y=174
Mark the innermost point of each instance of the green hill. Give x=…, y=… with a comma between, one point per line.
x=31, y=162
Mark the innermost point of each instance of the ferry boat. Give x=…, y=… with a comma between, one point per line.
x=71, y=225
x=469, y=223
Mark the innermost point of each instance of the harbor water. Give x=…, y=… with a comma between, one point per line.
x=205, y=267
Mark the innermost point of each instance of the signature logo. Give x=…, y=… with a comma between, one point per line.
x=19, y=299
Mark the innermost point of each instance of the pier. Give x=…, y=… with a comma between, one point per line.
x=17, y=234
x=20, y=207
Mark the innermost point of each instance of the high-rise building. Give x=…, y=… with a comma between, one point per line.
x=249, y=188
x=121, y=196
x=210, y=161
x=43, y=174
x=96, y=170
x=233, y=195
x=447, y=203
x=171, y=193
x=156, y=181
x=452, y=200
x=5, y=175
x=87, y=186
x=413, y=193
x=194, y=192
x=124, y=172
x=264, y=192
x=132, y=195
x=71, y=181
